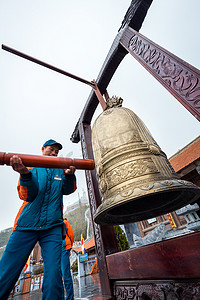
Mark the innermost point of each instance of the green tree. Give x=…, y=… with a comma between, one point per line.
x=121, y=238
x=74, y=267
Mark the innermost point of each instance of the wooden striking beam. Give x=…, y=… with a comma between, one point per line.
x=43, y=161
x=177, y=76
x=93, y=84
x=46, y=65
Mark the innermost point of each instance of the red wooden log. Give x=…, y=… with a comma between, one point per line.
x=48, y=161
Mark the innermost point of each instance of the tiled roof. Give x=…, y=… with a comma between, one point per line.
x=89, y=244
x=186, y=156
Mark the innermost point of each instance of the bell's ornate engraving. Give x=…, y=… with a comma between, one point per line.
x=136, y=180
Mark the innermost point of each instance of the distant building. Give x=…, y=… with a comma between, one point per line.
x=89, y=266
x=83, y=200
x=89, y=247
x=36, y=254
x=186, y=162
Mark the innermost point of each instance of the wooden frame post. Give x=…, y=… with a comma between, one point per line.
x=105, y=239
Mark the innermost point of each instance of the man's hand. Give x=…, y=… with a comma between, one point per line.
x=71, y=170
x=17, y=165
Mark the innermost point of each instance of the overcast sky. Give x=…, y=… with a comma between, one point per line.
x=37, y=104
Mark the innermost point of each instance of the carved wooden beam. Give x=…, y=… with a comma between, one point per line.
x=177, y=76
x=176, y=258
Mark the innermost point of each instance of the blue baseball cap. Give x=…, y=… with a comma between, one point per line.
x=52, y=142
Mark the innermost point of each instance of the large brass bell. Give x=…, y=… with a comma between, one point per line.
x=136, y=180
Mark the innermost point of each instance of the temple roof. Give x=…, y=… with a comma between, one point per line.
x=88, y=245
x=186, y=155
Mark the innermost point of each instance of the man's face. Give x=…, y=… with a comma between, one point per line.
x=50, y=150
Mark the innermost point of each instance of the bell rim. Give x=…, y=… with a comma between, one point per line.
x=181, y=186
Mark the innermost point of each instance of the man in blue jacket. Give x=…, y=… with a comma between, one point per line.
x=40, y=218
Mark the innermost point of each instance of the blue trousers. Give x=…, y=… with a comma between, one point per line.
x=17, y=252
x=66, y=272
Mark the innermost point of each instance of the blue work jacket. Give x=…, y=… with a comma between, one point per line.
x=42, y=191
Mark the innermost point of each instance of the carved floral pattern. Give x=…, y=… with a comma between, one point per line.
x=157, y=291
x=181, y=79
x=130, y=170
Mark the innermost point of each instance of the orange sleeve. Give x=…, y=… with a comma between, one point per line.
x=27, y=188
x=19, y=213
x=69, y=236
x=70, y=233
x=22, y=191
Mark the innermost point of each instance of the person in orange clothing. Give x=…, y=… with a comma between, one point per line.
x=65, y=260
